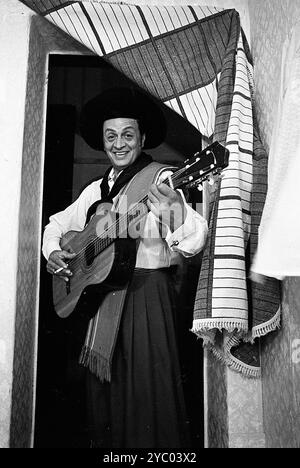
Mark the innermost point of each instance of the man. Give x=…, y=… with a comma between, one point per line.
x=135, y=396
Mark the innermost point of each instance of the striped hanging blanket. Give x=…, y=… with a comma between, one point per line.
x=231, y=310
x=196, y=60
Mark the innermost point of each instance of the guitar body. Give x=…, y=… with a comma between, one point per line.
x=92, y=275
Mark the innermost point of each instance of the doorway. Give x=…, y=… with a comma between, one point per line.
x=69, y=166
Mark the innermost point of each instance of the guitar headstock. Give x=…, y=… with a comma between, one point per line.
x=201, y=166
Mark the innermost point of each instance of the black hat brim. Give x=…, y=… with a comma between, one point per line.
x=126, y=103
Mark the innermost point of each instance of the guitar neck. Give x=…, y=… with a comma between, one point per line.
x=120, y=226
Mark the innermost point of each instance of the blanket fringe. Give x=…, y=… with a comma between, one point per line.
x=237, y=331
x=231, y=340
x=224, y=355
x=218, y=354
x=227, y=359
x=96, y=363
x=251, y=372
x=206, y=325
x=267, y=327
x=206, y=340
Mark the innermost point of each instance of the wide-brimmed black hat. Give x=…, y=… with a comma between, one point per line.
x=122, y=102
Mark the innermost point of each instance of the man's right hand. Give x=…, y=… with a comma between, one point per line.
x=57, y=264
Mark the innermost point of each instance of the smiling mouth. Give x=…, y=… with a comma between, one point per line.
x=120, y=154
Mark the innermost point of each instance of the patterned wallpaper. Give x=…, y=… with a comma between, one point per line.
x=217, y=411
x=271, y=21
x=234, y=417
x=281, y=376
x=245, y=419
x=28, y=248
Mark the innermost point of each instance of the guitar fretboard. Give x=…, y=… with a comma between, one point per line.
x=120, y=225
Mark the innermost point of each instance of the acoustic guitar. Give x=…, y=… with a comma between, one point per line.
x=106, y=249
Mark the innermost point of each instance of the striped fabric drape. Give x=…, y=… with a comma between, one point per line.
x=230, y=310
x=196, y=60
x=165, y=50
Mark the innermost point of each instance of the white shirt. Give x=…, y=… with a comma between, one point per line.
x=153, y=251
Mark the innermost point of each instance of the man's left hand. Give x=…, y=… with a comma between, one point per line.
x=167, y=205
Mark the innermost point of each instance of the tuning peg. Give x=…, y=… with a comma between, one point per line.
x=196, y=155
x=199, y=187
x=211, y=180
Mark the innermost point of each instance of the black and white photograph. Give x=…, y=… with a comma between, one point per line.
x=150, y=208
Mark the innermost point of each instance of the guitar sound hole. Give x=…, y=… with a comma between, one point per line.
x=89, y=254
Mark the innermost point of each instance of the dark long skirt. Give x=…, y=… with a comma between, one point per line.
x=143, y=405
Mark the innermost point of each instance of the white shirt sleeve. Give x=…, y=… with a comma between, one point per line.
x=189, y=239
x=71, y=219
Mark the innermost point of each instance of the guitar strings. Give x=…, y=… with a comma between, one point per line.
x=100, y=242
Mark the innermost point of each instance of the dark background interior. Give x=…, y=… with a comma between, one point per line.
x=69, y=166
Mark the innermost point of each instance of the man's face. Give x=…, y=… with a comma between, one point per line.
x=122, y=141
